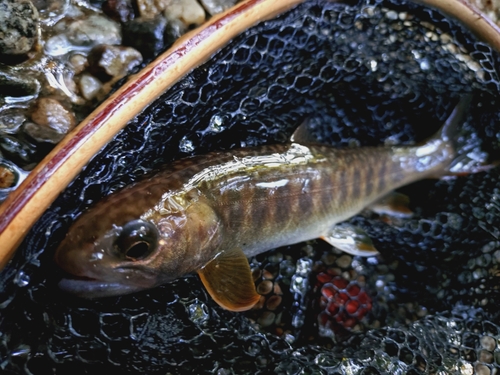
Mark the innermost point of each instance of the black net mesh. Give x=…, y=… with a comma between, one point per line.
x=364, y=74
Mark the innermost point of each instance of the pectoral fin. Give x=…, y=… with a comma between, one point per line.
x=351, y=239
x=228, y=280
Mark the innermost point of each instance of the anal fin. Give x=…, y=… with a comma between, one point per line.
x=393, y=204
x=351, y=239
x=228, y=280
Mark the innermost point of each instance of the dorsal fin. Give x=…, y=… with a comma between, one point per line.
x=228, y=279
x=302, y=133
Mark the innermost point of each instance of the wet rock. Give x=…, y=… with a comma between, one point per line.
x=217, y=6
x=89, y=32
x=119, y=10
x=11, y=120
x=7, y=177
x=49, y=8
x=108, y=62
x=12, y=84
x=78, y=63
x=94, y=30
x=175, y=29
x=53, y=121
x=18, y=26
x=146, y=35
x=151, y=8
x=266, y=319
x=189, y=12
x=16, y=150
x=42, y=133
x=89, y=86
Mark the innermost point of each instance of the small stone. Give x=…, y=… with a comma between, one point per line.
x=7, y=177
x=344, y=261
x=18, y=26
x=488, y=343
x=146, y=35
x=260, y=304
x=113, y=61
x=256, y=274
x=17, y=86
x=17, y=151
x=217, y=6
x=277, y=289
x=53, y=121
x=273, y=302
x=78, y=62
x=42, y=134
x=189, y=12
x=89, y=86
x=51, y=8
x=58, y=45
x=151, y=8
x=94, y=30
x=265, y=287
x=11, y=120
x=266, y=319
x=267, y=275
x=119, y=10
x=174, y=30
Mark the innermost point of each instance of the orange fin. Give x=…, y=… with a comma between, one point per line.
x=393, y=204
x=350, y=239
x=228, y=279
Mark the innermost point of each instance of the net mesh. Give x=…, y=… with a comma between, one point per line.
x=374, y=72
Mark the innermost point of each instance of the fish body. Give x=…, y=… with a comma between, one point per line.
x=208, y=213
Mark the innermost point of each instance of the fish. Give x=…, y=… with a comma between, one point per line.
x=208, y=214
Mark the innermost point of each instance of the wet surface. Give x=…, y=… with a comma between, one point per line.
x=374, y=73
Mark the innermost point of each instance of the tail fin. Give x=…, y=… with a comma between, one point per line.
x=449, y=130
x=468, y=156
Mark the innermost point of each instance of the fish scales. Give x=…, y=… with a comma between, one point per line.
x=270, y=200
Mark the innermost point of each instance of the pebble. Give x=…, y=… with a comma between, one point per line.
x=344, y=261
x=151, y=8
x=94, y=30
x=52, y=121
x=119, y=10
x=146, y=35
x=265, y=287
x=217, y=6
x=81, y=34
x=16, y=150
x=266, y=318
x=16, y=85
x=11, y=120
x=273, y=302
x=18, y=26
x=78, y=63
x=7, y=177
x=189, y=12
x=107, y=61
x=89, y=86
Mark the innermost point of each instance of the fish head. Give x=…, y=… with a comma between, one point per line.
x=105, y=257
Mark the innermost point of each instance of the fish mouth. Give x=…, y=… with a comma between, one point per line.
x=89, y=288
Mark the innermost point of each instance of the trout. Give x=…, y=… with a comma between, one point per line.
x=208, y=214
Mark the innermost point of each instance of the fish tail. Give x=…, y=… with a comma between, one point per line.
x=466, y=156
x=451, y=128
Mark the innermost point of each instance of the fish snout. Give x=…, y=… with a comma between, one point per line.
x=81, y=259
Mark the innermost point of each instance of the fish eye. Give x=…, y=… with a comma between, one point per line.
x=137, y=239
